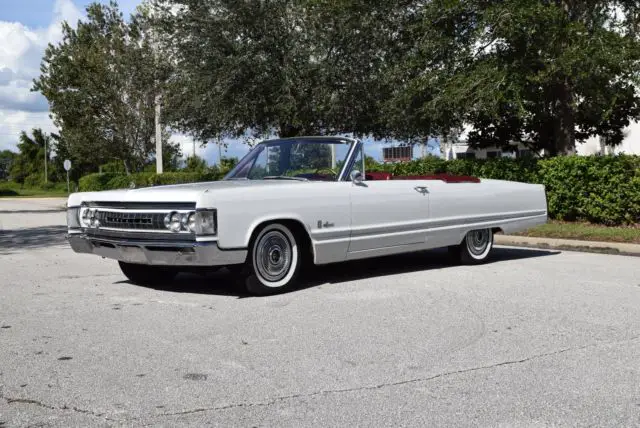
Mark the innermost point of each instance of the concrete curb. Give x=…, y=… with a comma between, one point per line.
x=617, y=248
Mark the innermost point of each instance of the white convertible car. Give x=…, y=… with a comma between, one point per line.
x=291, y=201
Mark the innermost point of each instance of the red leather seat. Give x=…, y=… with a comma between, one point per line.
x=378, y=175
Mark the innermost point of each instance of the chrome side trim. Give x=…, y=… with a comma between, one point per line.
x=428, y=225
x=157, y=253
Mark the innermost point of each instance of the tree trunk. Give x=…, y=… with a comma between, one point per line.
x=564, y=120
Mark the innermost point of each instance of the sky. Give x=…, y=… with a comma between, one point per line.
x=26, y=27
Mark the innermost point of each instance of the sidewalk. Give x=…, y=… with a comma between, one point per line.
x=569, y=245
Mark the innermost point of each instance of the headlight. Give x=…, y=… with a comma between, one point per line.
x=173, y=221
x=73, y=217
x=205, y=222
x=93, y=218
x=190, y=222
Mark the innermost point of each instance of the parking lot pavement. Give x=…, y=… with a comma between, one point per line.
x=534, y=338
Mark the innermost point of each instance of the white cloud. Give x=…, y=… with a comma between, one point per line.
x=21, y=51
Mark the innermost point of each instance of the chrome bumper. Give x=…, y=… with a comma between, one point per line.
x=157, y=253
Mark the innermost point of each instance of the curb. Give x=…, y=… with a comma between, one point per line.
x=616, y=248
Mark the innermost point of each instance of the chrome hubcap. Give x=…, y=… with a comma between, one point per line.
x=478, y=241
x=273, y=256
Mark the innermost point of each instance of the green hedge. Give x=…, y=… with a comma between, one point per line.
x=109, y=181
x=598, y=189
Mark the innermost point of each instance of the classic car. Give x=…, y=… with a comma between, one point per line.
x=292, y=201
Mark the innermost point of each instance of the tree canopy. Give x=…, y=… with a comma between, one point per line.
x=545, y=73
x=101, y=81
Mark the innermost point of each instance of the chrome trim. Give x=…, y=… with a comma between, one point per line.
x=134, y=235
x=164, y=232
x=163, y=206
x=351, y=159
x=142, y=211
x=157, y=253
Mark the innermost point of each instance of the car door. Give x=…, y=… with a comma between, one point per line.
x=387, y=214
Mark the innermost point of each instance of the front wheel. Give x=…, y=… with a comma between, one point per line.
x=475, y=247
x=147, y=274
x=274, y=261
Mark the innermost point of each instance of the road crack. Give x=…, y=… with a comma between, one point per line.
x=38, y=403
x=391, y=384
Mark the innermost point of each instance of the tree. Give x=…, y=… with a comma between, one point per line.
x=29, y=162
x=101, y=81
x=289, y=67
x=543, y=73
x=7, y=157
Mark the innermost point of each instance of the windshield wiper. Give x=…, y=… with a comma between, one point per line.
x=284, y=177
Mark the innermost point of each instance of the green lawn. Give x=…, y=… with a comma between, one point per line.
x=8, y=190
x=585, y=232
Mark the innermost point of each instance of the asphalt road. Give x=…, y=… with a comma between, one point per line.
x=535, y=338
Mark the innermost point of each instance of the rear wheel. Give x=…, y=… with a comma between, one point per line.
x=274, y=262
x=474, y=248
x=147, y=274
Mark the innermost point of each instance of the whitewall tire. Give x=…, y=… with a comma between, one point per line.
x=475, y=247
x=274, y=260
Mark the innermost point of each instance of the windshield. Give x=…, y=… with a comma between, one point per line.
x=293, y=159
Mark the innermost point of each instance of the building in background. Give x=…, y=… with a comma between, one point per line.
x=458, y=148
x=401, y=153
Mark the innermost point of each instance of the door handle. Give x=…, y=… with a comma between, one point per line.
x=421, y=189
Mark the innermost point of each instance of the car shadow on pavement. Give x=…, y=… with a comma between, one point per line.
x=223, y=283
x=31, y=238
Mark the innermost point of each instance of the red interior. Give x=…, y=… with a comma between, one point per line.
x=447, y=178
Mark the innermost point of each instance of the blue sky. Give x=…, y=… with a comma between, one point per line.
x=26, y=27
x=39, y=13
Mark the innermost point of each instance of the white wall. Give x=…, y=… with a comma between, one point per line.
x=630, y=145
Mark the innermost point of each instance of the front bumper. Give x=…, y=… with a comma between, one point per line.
x=157, y=253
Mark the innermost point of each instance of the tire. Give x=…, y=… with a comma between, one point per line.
x=474, y=248
x=147, y=274
x=274, y=261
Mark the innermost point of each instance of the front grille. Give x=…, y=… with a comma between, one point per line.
x=136, y=218
x=131, y=220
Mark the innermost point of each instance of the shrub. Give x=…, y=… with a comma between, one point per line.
x=115, y=167
x=599, y=189
x=34, y=180
x=94, y=182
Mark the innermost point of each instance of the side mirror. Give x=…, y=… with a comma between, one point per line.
x=356, y=176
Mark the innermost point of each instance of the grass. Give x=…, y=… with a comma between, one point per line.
x=15, y=190
x=585, y=232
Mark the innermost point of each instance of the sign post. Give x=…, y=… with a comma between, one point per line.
x=67, y=167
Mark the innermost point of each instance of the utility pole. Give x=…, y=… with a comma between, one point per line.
x=158, y=137
x=45, y=159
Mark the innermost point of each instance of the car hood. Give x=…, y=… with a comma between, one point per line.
x=174, y=193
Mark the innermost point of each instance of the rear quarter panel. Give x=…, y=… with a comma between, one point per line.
x=456, y=208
